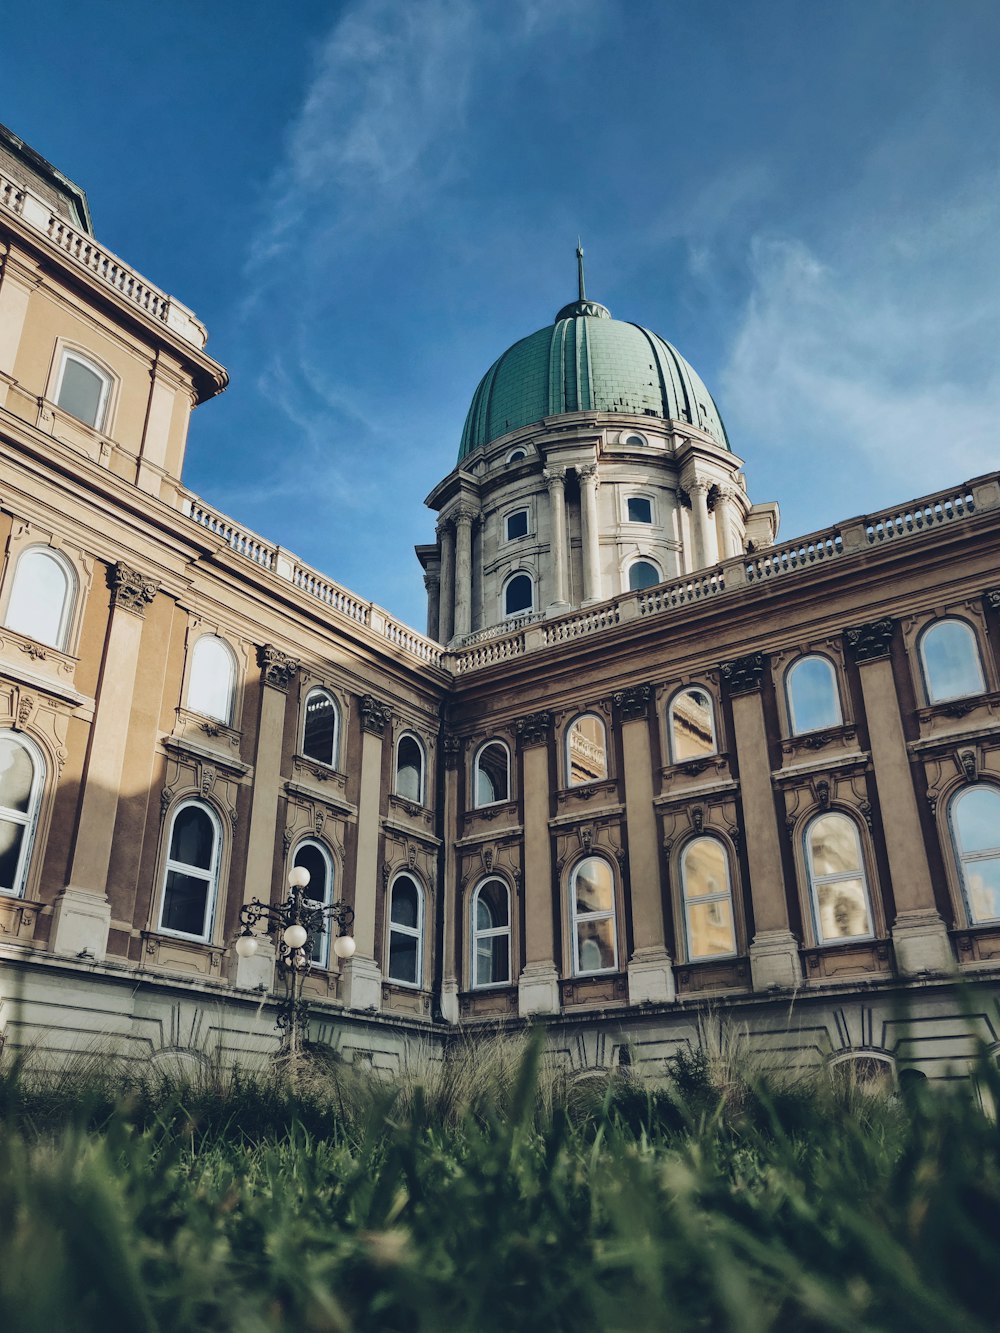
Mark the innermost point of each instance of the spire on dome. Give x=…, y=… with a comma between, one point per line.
x=581, y=306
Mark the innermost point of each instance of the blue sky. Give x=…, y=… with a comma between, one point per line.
x=367, y=202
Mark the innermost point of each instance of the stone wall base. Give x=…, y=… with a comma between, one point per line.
x=775, y=961
x=651, y=977
x=538, y=990
x=81, y=921
x=361, y=984
x=921, y=944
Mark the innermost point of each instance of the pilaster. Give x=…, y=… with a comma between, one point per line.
x=277, y=670
x=590, y=532
x=446, y=605
x=555, y=480
x=361, y=976
x=538, y=985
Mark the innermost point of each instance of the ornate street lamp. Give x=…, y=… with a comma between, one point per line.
x=296, y=922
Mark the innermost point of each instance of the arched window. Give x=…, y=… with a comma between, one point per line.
x=22, y=774
x=491, y=934
x=592, y=893
x=517, y=456
x=212, y=682
x=691, y=722
x=586, y=751
x=406, y=925
x=319, y=729
x=313, y=856
x=492, y=774
x=643, y=574
x=83, y=389
x=410, y=769
x=192, y=877
x=838, y=885
x=813, y=701
x=518, y=595
x=950, y=658
x=42, y=596
x=975, y=831
x=708, y=900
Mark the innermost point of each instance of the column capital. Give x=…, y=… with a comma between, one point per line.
x=130, y=589
x=535, y=729
x=744, y=674
x=633, y=702
x=374, y=715
x=432, y=580
x=464, y=514
x=554, y=476
x=587, y=472
x=869, y=643
x=277, y=669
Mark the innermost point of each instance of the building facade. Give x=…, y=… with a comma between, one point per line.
x=647, y=769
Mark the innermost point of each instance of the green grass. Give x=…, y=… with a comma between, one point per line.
x=484, y=1194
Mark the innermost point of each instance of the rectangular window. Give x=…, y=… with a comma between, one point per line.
x=517, y=524
x=640, y=509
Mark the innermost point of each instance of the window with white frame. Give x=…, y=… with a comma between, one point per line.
x=22, y=775
x=643, y=574
x=42, y=596
x=312, y=856
x=691, y=724
x=516, y=525
x=586, y=750
x=406, y=921
x=838, y=885
x=592, y=894
x=709, y=925
x=974, y=815
x=191, y=882
x=212, y=681
x=950, y=659
x=491, y=934
x=639, y=509
x=320, y=728
x=410, y=768
x=811, y=690
x=83, y=389
x=491, y=774
x=517, y=455
x=518, y=595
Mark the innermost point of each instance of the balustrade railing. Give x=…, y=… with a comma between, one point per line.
x=806, y=551
x=332, y=594
x=582, y=622
x=945, y=507
x=486, y=654
x=705, y=583
x=241, y=540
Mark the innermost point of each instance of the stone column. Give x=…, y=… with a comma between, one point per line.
x=590, y=532
x=452, y=749
x=698, y=491
x=730, y=545
x=555, y=479
x=538, y=986
x=82, y=913
x=650, y=976
x=446, y=621
x=919, y=936
x=432, y=582
x=19, y=279
x=361, y=975
x=774, y=952
x=463, y=571
x=277, y=671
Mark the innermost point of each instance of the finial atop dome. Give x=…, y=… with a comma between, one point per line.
x=582, y=306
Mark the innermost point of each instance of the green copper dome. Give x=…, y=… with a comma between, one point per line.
x=587, y=361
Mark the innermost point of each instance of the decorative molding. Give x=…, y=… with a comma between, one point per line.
x=633, y=702
x=969, y=763
x=535, y=729
x=464, y=514
x=871, y=642
x=277, y=669
x=554, y=476
x=744, y=674
x=451, y=746
x=130, y=589
x=823, y=794
x=993, y=599
x=374, y=715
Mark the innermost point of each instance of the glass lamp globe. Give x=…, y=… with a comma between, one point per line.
x=295, y=936
x=344, y=946
x=298, y=877
x=246, y=946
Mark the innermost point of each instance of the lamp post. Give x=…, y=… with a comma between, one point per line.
x=296, y=922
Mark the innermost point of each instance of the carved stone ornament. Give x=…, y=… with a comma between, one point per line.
x=586, y=836
x=870, y=642
x=277, y=669
x=633, y=701
x=452, y=748
x=130, y=589
x=745, y=674
x=386, y=874
x=534, y=729
x=993, y=599
x=823, y=794
x=374, y=715
x=697, y=818
x=969, y=761
x=25, y=708
x=488, y=855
